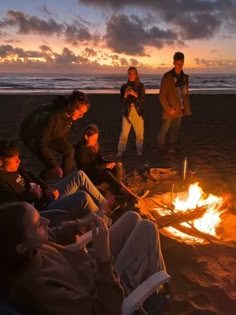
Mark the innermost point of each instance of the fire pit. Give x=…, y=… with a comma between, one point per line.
x=189, y=216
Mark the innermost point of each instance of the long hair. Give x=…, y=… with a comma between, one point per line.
x=12, y=233
x=71, y=102
x=89, y=131
x=137, y=80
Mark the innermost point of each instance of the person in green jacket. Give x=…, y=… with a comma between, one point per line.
x=46, y=129
x=174, y=98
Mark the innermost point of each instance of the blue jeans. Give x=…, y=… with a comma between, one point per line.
x=77, y=195
x=172, y=125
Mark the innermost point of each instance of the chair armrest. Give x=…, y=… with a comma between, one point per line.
x=82, y=241
x=143, y=291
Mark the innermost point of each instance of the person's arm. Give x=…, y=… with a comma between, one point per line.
x=7, y=195
x=123, y=94
x=65, y=234
x=45, y=152
x=163, y=95
x=141, y=93
x=83, y=160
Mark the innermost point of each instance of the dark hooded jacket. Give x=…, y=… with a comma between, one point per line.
x=43, y=125
x=15, y=186
x=138, y=102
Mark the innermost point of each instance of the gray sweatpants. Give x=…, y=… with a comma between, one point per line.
x=135, y=246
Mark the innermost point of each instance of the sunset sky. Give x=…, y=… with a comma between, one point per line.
x=104, y=36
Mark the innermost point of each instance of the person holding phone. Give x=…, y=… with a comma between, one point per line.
x=132, y=98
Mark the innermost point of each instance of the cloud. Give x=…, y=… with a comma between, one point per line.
x=89, y=52
x=74, y=34
x=45, y=52
x=195, y=19
x=7, y=51
x=128, y=35
x=216, y=63
x=85, y=22
x=133, y=62
x=124, y=62
x=45, y=48
x=198, y=26
x=44, y=10
x=27, y=24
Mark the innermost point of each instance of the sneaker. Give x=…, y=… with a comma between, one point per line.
x=119, y=154
x=139, y=153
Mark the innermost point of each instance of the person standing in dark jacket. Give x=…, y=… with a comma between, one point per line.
x=132, y=97
x=174, y=99
x=46, y=130
x=89, y=160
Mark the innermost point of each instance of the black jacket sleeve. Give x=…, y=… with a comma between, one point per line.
x=8, y=195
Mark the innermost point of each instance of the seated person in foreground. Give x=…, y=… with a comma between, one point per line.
x=41, y=277
x=89, y=159
x=75, y=193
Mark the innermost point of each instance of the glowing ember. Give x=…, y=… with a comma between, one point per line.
x=195, y=198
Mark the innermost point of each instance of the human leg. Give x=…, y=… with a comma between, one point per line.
x=174, y=131
x=56, y=217
x=67, y=151
x=125, y=129
x=140, y=256
x=78, y=180
x=165, y=126
x=121, y=230
x=138, y=125
x=117, y=171
x=77, y=205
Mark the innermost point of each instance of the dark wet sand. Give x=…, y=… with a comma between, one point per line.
x=203, y=276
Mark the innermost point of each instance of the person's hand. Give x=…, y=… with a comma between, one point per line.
x=101, y=243
x=172, y=111
x=110, y=165
x=56, y=172
x=52, y=193
x=133, y=93
x=85, y=222
x=55, y=193
x=36, y=191
x=127, y=92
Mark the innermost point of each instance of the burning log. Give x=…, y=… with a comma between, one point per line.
x=173, y=219
x=196, y=233
x=176, y=218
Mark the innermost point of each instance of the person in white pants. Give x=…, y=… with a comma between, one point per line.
x=132, y=98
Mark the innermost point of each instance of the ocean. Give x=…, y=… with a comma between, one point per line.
x=100, y=83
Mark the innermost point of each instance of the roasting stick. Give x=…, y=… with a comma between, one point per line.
x=177, y=219
x=133, y=193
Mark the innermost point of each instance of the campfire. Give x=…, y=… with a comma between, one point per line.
x=191, y=216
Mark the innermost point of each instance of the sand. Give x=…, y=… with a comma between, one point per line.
x=203, y=276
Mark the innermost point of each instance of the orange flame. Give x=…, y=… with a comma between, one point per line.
x=193, y=199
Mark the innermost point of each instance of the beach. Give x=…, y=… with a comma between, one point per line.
x=203, y=275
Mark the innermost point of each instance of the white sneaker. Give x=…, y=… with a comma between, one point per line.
x=119, y=154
